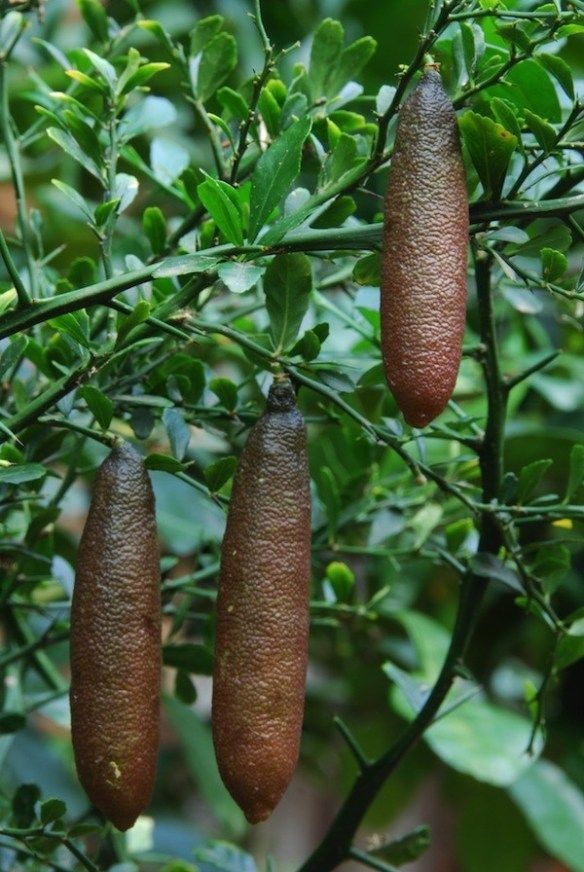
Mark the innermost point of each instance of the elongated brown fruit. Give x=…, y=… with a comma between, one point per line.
x=423, y=275
x=262, y=611
x=115, y=642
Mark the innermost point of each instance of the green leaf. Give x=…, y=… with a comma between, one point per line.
x=106, y=70
x=239, y=277
x=342, y=160
x=184, y=265
x=76, y=198
x=554, y=808
x=274, y=173
x=95, y=17
x=294, y=108
x=352, y=61
x=430, y=641
x=413, y=692
x=328, y=492
x=367, y=270
x=218, y=59
x=405, y=850
x=220, y=200
x=576, y=474
x=308, y=346
x=506, y=114
x=23, y=804
x=52, y=50
x=350, y=122
x=233, y=103
x=337, y=213
x=141, y=76
x=12, y=353
x=11, y=25
x=138, y=315
x=551, y=565
x=52, y=810
x=479, y=739
x=125, y=190
x=200, y=760
x=529, y=478
x=557, y=237
x=104, y=211
x=515, y=34
x=184, y=687
x=100, y=406
x=226, y=391
x=204, y=31
x=559, y=69
x=271, y=112
x=287, y=285
x=155, y=228
x=492, y=567
x=554, y=264
x=532, y=89
x=473, y=45
x=221, y=857
x=84, y=134
x=178, y=431
x=331, y=66
x=225, y=128
x=74, y=150
x=424, y=522
x=189, y=180
x=94, y=85
x=195, y=659
x=74, y=324
x=571, y=646
x=218, y=473
x=569, y=30
x=543, y=132
x=490, y=147
x=326, y=49
x=163, y=462
x=189, y=373
x=7, y=299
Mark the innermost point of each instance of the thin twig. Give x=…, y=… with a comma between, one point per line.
x=259, y=81
x=22, y=293
x=17, y=181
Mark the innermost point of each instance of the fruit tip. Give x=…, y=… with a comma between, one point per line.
x=256, y=815
x=123, y=821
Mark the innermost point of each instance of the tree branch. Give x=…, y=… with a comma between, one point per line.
x=337, y=843
x=367, y=236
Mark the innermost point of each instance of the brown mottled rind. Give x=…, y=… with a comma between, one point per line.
x=262, y=611
x=115, y=642
x=423, y=275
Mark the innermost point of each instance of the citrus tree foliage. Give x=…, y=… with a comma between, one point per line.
x=190, y=205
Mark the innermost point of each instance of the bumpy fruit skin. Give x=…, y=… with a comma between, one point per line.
x=423, y=275
x=115, y=642
x=262, y=611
